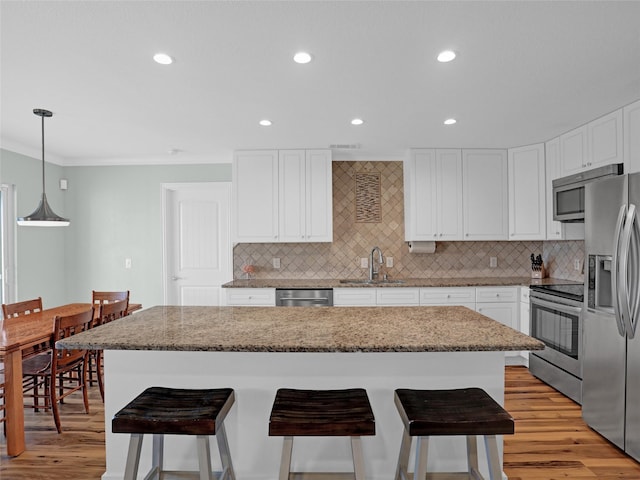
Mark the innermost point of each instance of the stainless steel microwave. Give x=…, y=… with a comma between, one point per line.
x=568, y=192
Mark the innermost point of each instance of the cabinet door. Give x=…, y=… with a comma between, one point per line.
x=573, y=151
x=255, y=196
x=485, y=199
x=292, y=186
x=397, y=296
x=449, y=194
x=552, y=171
x=420, y=195
x=319, y=196
x=605, y=140
x=527, y=219
x=354, y=297
x=632, y=138
x=505, y=313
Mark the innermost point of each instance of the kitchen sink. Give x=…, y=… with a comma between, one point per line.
x=364, y=281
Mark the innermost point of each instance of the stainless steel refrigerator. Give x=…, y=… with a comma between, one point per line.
x=611, y=344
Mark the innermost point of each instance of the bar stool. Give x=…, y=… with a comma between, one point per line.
x=468, y=412
x=169, y=411
x=322, y=413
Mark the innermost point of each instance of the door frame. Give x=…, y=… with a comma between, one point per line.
x=224, y=187
x=9, y=280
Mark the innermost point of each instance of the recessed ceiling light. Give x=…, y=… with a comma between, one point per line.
x=357, y=121
x=450, y=121
x=302, y=57
x=446, y=56
x=266, y=123
x=163, y=59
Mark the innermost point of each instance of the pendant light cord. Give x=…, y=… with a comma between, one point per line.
x=42, y=155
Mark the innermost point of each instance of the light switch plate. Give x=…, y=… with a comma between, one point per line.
x=276, y=262
x=493, y=262
x=389, y=262
x=364, y=263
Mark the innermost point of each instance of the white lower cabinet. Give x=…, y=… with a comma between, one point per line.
x=251, y=297
x=442, y=296
x=354, y=297
x=524, y=317
x=500, y=304
x=402, y=296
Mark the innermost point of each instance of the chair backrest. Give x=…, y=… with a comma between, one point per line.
x=109, y=312
x=98, y=298
x=19, y=309
x=3, y=415
x=64, y=327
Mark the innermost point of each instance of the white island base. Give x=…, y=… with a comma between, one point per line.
x=256, y=377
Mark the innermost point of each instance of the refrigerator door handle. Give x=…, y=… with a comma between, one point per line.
x=631, y=241
x=623, y=275
x=617, y=303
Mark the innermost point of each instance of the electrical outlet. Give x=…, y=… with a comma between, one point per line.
x=276, y=262
x=127, y=263
x=389, y=262
x=493, y=262
x=576, y=265
x=364, y=263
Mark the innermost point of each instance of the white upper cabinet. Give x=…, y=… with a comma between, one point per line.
x=632, y=138
x=319, y=196
x=433, y=195
x=595, y=144
x=255, y=196
x=552, y=171
x=527, y=219
x=485, y=199
x=283, y=196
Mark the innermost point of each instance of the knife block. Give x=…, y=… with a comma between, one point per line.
x=542, y=273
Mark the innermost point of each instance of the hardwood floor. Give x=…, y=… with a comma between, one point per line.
x=551, y=440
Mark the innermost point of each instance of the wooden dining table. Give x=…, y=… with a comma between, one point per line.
x=19, y=339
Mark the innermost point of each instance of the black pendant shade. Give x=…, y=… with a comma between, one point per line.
x=43, y=216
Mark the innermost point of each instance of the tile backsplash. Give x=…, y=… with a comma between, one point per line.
x=353, y=240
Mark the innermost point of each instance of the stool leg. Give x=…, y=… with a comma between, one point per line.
x=204, y=458
x=225, y=454
x=133, y=457
x=493, y=459
x=157, y=456
x=285, y=460
x=472, y=456
x=358, y=457
x=420, y=469
x=403, y=458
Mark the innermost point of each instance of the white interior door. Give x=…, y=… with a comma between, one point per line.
x=198, y=253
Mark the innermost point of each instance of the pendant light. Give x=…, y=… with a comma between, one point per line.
x=43, y=216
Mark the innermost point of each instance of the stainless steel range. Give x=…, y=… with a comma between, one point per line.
x=556, y=320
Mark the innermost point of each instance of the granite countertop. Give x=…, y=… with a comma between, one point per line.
x=300, y=329
x=408, y=282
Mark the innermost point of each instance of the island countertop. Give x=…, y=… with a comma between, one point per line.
x=305, y=329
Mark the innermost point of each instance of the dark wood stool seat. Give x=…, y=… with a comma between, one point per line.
x=345, y=413
x=169, y=411
x=468, y=412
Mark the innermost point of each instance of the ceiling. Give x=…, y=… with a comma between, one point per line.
x=526, y=72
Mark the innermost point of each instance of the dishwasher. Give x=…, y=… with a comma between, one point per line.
x=304, y=297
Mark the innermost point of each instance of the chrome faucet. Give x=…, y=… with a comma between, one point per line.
x=372, y=271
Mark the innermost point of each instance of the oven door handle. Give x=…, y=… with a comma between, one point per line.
x=555, y=306
x=615, y=287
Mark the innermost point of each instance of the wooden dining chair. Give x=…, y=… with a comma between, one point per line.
x=30, y=384
x=107, y=313
x=19, y=309
x=99, y=298
x=66, y=371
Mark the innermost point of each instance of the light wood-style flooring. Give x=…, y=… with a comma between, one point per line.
x=551, y=440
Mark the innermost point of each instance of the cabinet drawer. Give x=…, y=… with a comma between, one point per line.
x=447, y=296
x=264, y=297
x=398, y=296
x=354, y=297
x=496, y=294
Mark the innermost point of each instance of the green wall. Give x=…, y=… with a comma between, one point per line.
x=115, y=213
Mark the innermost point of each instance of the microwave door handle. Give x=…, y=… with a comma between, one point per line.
x=615, y=271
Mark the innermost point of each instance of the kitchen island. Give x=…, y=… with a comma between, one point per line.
x=257, y=350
